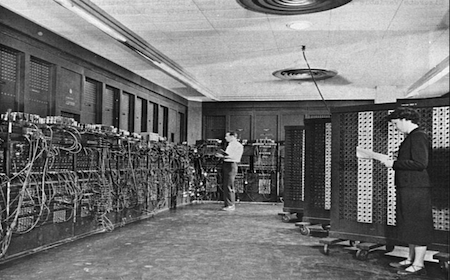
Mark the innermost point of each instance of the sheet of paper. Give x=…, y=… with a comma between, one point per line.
x=369, y=154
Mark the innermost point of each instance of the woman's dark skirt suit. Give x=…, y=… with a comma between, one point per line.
x=414, y=211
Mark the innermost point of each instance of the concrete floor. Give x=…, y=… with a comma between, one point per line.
x=201, y=242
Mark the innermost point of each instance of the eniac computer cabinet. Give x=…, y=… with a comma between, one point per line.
x=294, y=173
x=317, y=182
x=363, y=191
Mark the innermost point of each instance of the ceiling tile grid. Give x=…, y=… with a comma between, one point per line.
x=234, y=51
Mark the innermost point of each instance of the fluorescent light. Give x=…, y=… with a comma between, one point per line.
x=172, y=72
x=431, y=77
x=94, y=15
x=92, y=19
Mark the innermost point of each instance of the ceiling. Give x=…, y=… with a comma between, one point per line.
x=217, y=50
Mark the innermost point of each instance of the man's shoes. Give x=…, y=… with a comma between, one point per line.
x=402, y=264
x=229, y=208
x=416, y=270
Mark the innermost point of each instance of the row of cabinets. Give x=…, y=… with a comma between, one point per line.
x=32, y=85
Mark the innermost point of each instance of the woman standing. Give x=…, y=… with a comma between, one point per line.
x=413, y=209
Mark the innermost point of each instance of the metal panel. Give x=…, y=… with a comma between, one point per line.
x=144, y=124
x=108, y=106
x=90, y=101
x=365, y=168
x=138, y=115
x=294, y=171
x=290, y=120
x=266, y=127
x=124, y=111
x=38, y=98
x=215, y=127
x=8, y=79
x=155, y=117
x=182, y=124
x=173, y=126
x=317, y=171
x=150, y=115
x=241, y=124
x=440, y=175
x=165, y=121
x=70, y=91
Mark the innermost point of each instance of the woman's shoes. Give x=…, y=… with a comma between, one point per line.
x=415, y=270
x=402, y=264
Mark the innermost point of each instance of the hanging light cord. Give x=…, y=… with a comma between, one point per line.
x=314, y=80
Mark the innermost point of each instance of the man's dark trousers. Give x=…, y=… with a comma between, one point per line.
x=229, y=174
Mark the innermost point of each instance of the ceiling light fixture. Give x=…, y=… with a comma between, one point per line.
x=91, y=19
x=99, y=18
x=431, y=77
x=299, y=25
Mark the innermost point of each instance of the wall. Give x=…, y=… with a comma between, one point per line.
x=57, y=77
x=260, y=120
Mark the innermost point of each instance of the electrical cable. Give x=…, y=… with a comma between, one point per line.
x=53, y=171
x=314, y=80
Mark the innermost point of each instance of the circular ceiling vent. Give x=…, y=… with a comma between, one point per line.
x=304, y=74
x=291, y=7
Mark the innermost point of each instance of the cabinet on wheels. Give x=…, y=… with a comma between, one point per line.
x=294, y=173
x=363, y=191
x=317, y=182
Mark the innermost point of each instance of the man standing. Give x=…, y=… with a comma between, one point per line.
x=231, y=157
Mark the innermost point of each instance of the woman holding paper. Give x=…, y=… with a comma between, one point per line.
x=413, y=209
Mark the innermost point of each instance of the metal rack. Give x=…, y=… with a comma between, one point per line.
x=363, y=192
x=317, y=183
x=262, y=184
x=294, y=173
x=60, y=182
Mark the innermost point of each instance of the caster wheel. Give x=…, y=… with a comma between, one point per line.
x=389, y=248
x=362, y=255
x=325, y=250
x=444, y=266
x=304, y=230
x=286, y=218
